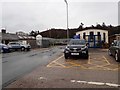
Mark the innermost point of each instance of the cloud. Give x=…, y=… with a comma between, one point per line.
x=29, y=16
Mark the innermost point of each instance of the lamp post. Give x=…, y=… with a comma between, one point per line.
x=67, y=18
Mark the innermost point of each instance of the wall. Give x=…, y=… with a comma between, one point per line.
x=95, y=33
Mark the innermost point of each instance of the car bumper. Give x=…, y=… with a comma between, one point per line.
x=76, y=53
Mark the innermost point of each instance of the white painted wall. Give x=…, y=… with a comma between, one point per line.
x=95, y=33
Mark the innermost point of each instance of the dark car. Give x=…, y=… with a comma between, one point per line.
x=19, y=45
x=4, y=48
x=114, y=50
x=76, y=47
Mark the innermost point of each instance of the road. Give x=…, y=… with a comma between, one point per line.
x=47, y=68
x=16, y=64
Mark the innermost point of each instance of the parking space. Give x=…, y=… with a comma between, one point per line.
x=54, y=71
x=98, y=60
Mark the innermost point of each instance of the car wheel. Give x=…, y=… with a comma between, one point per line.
x=116, y=57
x=28, y=49
x=109, y=53
x=87, y=56
x=22, y=48
x=66, y=56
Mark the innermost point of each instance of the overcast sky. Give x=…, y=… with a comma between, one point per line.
x=27, y=16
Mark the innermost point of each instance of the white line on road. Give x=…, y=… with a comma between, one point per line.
x=95, y=83
x=112, y=85
x=82, y=82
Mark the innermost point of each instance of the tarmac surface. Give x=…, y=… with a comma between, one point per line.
x=99, y=71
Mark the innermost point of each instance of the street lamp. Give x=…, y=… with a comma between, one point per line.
x=67, y=18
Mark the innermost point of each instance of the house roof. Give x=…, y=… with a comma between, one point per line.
x=92, y=29
x=8, y=36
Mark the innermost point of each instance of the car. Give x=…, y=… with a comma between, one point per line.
x=18, y=45
x=76, y=47
x=114, y=50
x=4, y=48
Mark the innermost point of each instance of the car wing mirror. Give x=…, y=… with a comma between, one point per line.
x=112, y=44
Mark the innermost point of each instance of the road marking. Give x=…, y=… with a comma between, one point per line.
x=73, y=81
x=112, y=85
x=74, y=64
x=49, y=65
x=89, y=60
x=82, y=82
x=61, y=64
x=106, y=60
x=41, y=78
x=58, y=58
x=55, y=63
x=95, y=83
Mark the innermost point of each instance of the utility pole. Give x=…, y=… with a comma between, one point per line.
x=67, y=18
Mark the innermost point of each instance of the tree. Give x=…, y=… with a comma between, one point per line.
x=81, y=26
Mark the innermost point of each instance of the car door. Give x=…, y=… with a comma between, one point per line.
x=17, y=46
x=112, y=48
x=115, y=46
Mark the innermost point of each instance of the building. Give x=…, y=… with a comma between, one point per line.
x=21, y=33
x=24, y=38
x=95, y=37
x=8, y=37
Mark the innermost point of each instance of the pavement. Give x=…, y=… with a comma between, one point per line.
x=99, y=71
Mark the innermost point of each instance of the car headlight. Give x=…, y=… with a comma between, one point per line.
x=67, y=48
x=83, y=48
x=5, y=47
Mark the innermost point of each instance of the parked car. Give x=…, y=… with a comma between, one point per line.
x=114, y=50
x=76, y=47
x=18, y=45
x=4, y=48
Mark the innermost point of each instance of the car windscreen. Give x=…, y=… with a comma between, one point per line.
x=77, y=42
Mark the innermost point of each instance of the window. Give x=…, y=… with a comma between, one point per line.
x=98, y=33
x=99, y=36
x=91, y=36
x=104, y=39
x=84, y=35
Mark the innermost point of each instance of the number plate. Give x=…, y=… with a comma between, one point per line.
x=74, y=53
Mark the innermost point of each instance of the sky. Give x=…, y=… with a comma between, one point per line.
x=42, y=15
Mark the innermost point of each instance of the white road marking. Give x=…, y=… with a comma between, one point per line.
x=73, y=80
x=41, y=78
x=95, y=83
x=112, y=85
x=84, y=82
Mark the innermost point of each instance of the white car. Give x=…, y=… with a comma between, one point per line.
x=19, y=45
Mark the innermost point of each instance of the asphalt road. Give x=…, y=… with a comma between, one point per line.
x=48, y=68
x=16, y=64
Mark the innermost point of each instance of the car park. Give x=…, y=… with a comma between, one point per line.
x=18, y=45
x=76, y=47
x=4, y=48
x=114, y=50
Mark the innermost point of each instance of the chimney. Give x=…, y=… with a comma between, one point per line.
x=3, y=30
